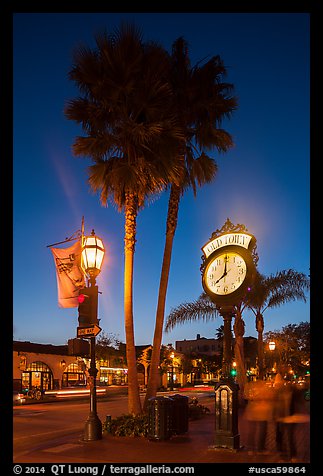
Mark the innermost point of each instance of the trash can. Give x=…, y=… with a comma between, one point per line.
x=160, y=413
x=180, y=414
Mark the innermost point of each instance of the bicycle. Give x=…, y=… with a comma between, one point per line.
x=35, y=393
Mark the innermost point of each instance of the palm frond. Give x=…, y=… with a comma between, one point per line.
x=201, y=309
x=278, y=298
x=277, y=289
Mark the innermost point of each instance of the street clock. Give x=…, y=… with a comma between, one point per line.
x=228, y=267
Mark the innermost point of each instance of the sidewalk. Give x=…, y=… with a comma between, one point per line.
x=196, y=446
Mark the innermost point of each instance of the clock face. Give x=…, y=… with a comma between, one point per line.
x=225, y=273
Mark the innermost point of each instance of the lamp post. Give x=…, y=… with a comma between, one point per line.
x=272, y=347
x=92, y=258
x=172, y=355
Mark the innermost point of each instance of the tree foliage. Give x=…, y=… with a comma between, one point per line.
x=292, y=345
x=107, y=346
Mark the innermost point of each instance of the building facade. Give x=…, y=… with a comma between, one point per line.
x=200, y=345
x=50, y=367
x=206, y=357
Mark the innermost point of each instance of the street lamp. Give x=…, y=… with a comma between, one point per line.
x=272, y=345
x=92, y=258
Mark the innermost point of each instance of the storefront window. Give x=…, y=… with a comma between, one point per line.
x=37, y=374
x=74, y=376
x=113, y=376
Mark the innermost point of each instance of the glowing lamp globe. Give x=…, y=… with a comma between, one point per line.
x=92, y=255
x=272, y=345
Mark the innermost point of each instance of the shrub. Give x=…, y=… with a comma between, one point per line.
x=196, y=410
x=127, y=425
x=137, y=425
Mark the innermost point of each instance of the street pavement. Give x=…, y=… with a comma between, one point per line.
x=195, y=446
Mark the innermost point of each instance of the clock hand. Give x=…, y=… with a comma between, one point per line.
x=225, y=266
x=223, y=276
x=225, y=272
x=219, y=279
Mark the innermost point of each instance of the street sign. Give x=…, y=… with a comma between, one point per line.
x=90, y=331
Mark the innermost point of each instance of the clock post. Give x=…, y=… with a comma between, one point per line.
x=227, y=313
x=228, y=269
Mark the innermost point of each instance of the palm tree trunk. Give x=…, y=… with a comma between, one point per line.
x=260, y=330
x=227, y=342
x=134, y=404
x=239, y=329
x=172, y=215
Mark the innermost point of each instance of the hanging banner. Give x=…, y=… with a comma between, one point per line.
x=70, y=277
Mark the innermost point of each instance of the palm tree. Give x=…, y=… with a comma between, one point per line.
x=204, y=309
x=272, y=291
x=130, y=135
x=202, y=100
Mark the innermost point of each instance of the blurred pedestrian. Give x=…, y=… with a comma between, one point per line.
x=258, y=412
x=282, y=407
x=292, y=420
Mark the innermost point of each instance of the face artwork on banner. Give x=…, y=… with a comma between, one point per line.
x=69, y=274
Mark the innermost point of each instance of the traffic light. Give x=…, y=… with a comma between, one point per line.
x=78, y=347
x=233, y=372
x=88, y=306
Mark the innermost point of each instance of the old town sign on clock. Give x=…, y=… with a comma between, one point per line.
x=229, y=264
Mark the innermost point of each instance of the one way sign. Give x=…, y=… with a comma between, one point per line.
x=90, y=331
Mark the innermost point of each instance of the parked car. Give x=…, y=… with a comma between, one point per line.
x=18, y=398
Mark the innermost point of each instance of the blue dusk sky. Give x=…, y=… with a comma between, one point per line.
x=263, y=182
